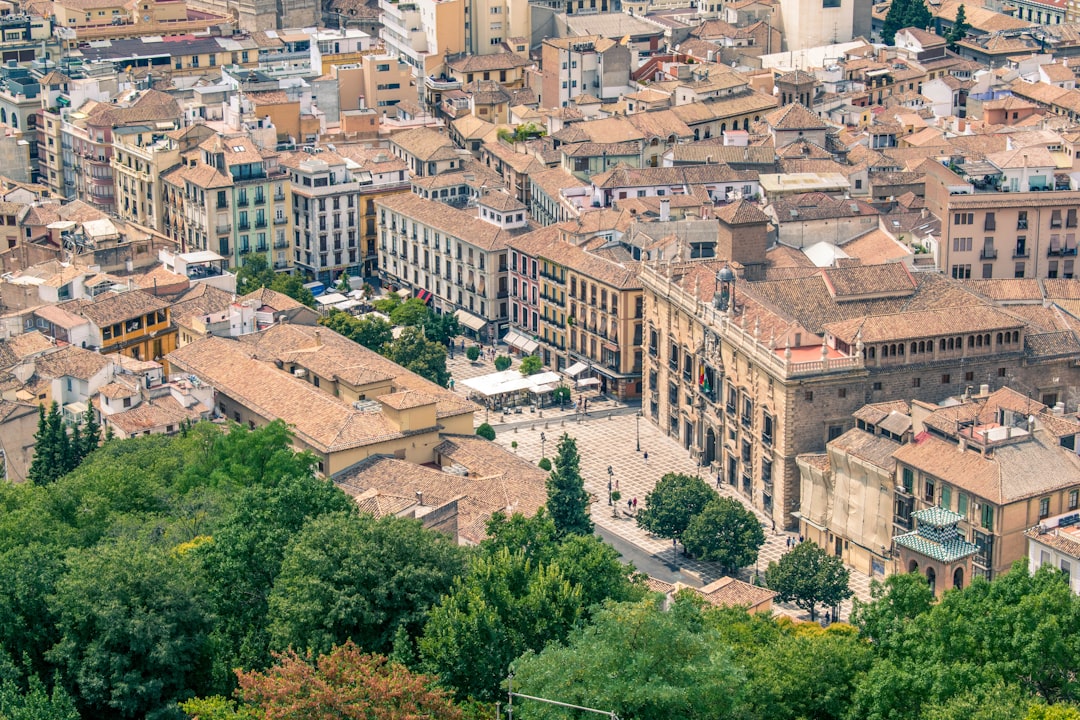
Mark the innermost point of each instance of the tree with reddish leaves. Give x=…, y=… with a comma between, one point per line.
x=346, y=683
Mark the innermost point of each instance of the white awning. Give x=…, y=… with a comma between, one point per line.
x=332, y=298
x=509, y=381
x=522, y=342
x=403, y=293
x=588, y=382
x=575, y=369
x=469, y=320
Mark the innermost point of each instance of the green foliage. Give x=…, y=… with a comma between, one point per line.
x=544, y=464
x=808, y=576
x=535, y=536
x=411, y=313
x=371, y=331
x=132, y=633
x=324, y=597
x=895, y=602
x=473, y=353
x=413, y=351
x=507, y=604
x=36, y=702
x=638, y=662
x=568, y=502
x=959, y=29
x=903, y=14
x=54, y=454
x=672, y=504
x=561, y=395
x=503, y=362
x=531, y=364
x=255, y=273
x=343, y=285
x=486, y=431
x=725, y=531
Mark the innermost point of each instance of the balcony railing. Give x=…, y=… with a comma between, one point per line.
x=281, y=220
x=988, y=254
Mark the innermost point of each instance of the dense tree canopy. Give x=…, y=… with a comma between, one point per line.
x=256, y=273
x=808, y=576
x=413, y=351
x=371, y=331
x=673, y=503
x=903, y=14
x=727, y=532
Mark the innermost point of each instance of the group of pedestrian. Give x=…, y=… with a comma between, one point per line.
x=792, y=542
x=631, y=504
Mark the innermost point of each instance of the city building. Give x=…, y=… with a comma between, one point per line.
x=231, y=200
x=134, y=323
x=590, y=64
x=749, y=374
x=344, y=403
x=1055, y=542
x=255, y=15
x=424, y=32
x=381, y=174
x=326, y=230
x=457, y=258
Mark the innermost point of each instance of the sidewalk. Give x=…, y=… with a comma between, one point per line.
x=609, y=436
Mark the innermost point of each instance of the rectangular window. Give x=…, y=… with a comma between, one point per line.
x=1074, y=499
x=809, y=396
x=962, y=504
x=946, y=497
x=929, y=491
x=988, y=516
x=916, y=382
x=1044, y=507
x=908, y=479
x=946, y=379
x=1066, y=570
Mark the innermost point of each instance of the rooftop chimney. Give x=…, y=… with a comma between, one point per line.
x=665, y=210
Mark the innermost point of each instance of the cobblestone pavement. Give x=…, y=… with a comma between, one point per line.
x=608, y=437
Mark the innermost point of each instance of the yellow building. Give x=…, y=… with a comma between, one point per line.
x=133, y=323
x=345, y=403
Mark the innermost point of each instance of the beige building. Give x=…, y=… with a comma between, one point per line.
x=1002, y=234
x=423, y=32
x=141, y=155
x=781, y=370
x=344, y=403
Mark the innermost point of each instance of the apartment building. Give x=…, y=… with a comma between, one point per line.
x=750, y=374
x=583, y=309
x=423, y=32
x=86, y=138
x=1027, y=233
x=326, y=231
x=457, y=257
x=380, y=175
x=141, y=155
x=133, y=323
x=584, y=64
x=232, y=200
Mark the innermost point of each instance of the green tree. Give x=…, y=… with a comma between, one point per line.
x=345, y=683
x=568, y=503
x=504, y=606
x=240, y=566
x=544, y=464
x=133, y=636
x=293, y=286
x=387, y=305
x=414, y=352
x=895, y=602
x=673, y=503
x=903, y=14
x=441, y=328
x=485, y=431
x=503, y=362
x=411, y=313
x=254, y=273
x=959, y=29
x=351, y=577
x=473, y=353
x=371, y=331
x=725, y=531
x=28, y=576
x=531, y=364
x=343, y=285
x=561, y=394
x=808, y=576
x=637, y=661
x=36, y=702
x=91, y=432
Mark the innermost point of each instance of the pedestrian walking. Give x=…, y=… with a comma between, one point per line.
x=800, y=538
x=646, y=457
x=616, y=483
x=629, y=504
x=586, y=406
x=635, y=503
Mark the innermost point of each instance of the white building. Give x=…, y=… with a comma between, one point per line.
x=1056, y=542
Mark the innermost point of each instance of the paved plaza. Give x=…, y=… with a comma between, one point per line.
x=608, y=437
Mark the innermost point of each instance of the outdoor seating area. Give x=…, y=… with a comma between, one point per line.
x=510, y=389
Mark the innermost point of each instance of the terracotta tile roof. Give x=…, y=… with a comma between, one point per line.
x=117, y=390
x=1067, y=543
x=112, y=307
x=200, y=175
x=1058, y=288
x=794, y=117
x=859, y=281
x=819, y=206
x=876, y=247
x=454, y=222
x=782, y=256
x=199, y=299
x=731, y=592
x=930, y=323
x=60, y=317
x=480, y=63
x=875, y=449
x=874, y=413
x=21, y=347
x=1008, y=289
x=500, y=201
x=155, y=414
x=497, y=480
x=1013, y=472
x=425, y=144
x=71, y=361
x=816, y=460
x=740, y=212
x=273, y=299
x=1052, y=344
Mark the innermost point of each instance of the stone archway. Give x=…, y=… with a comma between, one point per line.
x=958, y=577
x=931, y=577
x=913, y=566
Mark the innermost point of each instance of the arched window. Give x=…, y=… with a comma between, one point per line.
x=941, y=345
x=971, y=341
x=978, y=341
x=900, y=348
x=1016, y=336
x=914, y=349
x=986, y=339
x=871, y=352
x=723, y=127
x=999, y=338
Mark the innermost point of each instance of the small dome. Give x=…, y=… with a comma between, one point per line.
x=726, y=275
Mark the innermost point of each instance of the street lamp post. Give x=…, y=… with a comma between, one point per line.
x=610, y=475
x=637, y=429
x=543, y=441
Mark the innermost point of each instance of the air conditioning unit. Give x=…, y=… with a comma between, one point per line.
x=300, y=372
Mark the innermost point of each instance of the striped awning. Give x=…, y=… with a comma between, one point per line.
x=424, y=295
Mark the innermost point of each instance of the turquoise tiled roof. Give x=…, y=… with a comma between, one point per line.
x=937, y=517
x=953, y=549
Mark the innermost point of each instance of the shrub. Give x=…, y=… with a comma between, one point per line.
x=486, y=431
x=531, y=365
x=473, y=353
x=502, y=362
x=545, y=464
